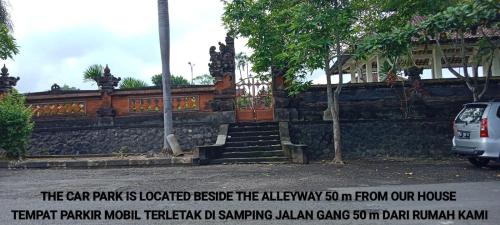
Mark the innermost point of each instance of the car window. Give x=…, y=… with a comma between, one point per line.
x=471, y=114
x=498, y=112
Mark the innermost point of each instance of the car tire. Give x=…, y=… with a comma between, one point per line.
x=479, y=162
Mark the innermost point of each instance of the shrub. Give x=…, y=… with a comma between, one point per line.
x=15, y=124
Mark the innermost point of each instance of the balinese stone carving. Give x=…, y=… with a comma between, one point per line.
x=73, y=109
x=222, y=62
x=107, y=82
x=55, y=88
x=222, y=68
x=7, y=82
x=413, y=74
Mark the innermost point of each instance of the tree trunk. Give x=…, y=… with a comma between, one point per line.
x=337, y=140
x=164, y=30
x=329, y=93
x=336, y=112
x=333, y=106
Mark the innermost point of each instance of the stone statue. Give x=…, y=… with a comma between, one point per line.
x=222, y=68
x=215, y=65
x=222, y=62
x=7, y=82
x=107, y=82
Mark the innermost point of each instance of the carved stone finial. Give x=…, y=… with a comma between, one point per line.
x=107, y=71
x=55, y=87
x=222, y=62
x=413, y=73
x=107, y=82
x=5, y=71
x=6, y=82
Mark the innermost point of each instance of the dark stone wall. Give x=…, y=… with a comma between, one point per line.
x=439, y=100
x=373, y=123
x=376, y=138
x=138, y=134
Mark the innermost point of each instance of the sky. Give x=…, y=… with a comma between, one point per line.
x=59, y=39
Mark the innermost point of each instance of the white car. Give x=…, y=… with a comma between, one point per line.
x=477, y=132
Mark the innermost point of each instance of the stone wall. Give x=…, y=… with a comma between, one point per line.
x=439, y=100
x=373, y=123
x=376, y=138
x=126, y=134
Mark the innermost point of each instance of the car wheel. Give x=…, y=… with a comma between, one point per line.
x=479, y=162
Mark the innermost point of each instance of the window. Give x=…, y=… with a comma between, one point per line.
x=498, y=112
x=471, y=114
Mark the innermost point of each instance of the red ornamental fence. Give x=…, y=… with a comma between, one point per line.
x=124, y=102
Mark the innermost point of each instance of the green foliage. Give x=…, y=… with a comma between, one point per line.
x=381, y=16
x=15, y=124
x=457, y=19
x=156, y=80
x=8, y=47
x=130, y=82
x=174, y=80
x=244, y=102
x=68, y=88
x=178, y=81
x=93, y=72
x=295, y=36
x=204, y=79
x=4, y=14
x=261, y=22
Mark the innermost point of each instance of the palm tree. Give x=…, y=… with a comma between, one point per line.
x=93, y=72
x=164, y=30
x=8, y=47
x=242, y=62
x=4, y=15
x=130, y=82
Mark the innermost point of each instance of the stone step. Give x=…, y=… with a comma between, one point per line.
x=253, y=128
x=279, y=153
x=252, y=124
x=273, y=160
x=263, y=162
x=253, y=138
x=253, y=148
x=253, y=133
x=232, y=143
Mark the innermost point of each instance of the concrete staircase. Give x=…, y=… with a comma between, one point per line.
x=252, y=143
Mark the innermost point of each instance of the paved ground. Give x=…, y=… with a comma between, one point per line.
x=476, y=188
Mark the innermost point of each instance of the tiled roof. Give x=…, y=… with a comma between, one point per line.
x=488, y=32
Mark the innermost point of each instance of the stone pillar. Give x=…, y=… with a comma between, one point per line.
x=437, y=66
x=222, y=68
x=369, y=71
x=107, y=84
x=7, y=82
x=282, y=109
x=353, y=74
x=495, y=67
x=380, y=63
x=361, y=77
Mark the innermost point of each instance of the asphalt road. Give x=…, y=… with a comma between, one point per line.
x=476, y=189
